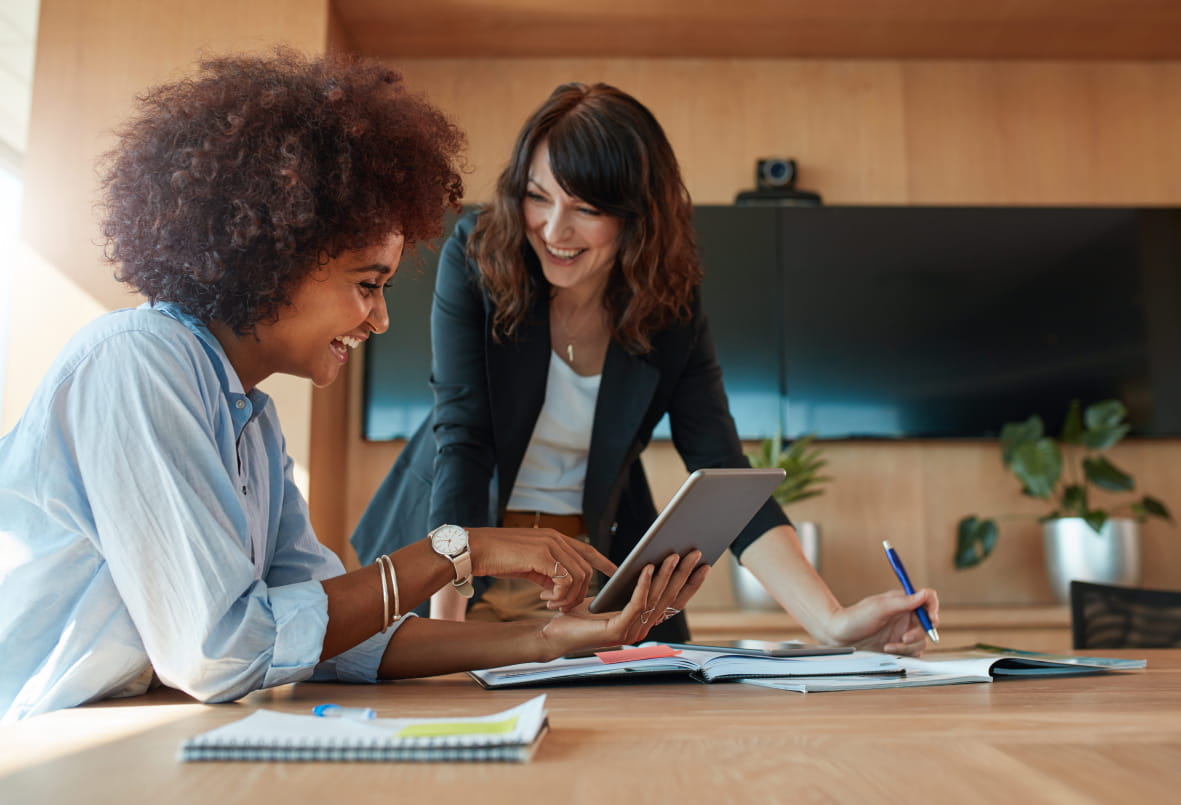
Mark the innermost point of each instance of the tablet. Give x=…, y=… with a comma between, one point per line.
x=706, y=514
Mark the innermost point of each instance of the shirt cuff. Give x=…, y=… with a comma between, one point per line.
x=360, y=663
x=301, y=620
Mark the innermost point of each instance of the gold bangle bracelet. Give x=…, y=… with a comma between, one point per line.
x=385, y=595
x=394, y=585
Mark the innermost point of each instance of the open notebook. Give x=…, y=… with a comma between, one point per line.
x=703, y=666
x=510, y=735
x=980, y=663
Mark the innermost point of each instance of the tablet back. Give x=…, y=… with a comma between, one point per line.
x=706, y=513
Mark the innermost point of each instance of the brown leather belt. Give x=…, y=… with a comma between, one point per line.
x=572, y=525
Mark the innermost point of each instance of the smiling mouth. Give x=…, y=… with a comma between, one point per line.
x=563, y=254
x=342, y=345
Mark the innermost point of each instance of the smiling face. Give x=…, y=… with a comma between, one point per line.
x=333, y=310
x=575, y=242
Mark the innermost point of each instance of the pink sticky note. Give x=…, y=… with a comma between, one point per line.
x=638, y=653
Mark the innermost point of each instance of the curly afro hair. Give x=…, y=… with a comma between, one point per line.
x=229, y=187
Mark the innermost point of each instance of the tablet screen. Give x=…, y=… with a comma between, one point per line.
x=706, y=513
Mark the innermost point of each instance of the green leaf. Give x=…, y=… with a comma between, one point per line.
x=1105, y=424
x=1074, y=498
x=1038, y=465
x=1106, y=414
x=1105, y=475
x=802, y=463
x=975, y=540
x=765, y=458
x=1105, y=437
x=1072, y=428
x=1095, y=519
x=1155, y=508
x=1015, y=434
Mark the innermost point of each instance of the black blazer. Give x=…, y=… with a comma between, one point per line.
x=461, y=464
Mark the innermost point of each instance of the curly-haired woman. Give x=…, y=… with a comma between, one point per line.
x=150, y=527
x=567, y=322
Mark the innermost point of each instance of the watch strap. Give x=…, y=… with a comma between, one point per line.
x=463, y=573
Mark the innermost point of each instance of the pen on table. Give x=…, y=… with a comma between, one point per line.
x=337, y=711
x=900, y=572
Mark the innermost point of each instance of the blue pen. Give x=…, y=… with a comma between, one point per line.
x=337, y=711
x=900, y=572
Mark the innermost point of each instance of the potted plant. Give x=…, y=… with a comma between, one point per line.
x=803, y=462
x=1082, y=540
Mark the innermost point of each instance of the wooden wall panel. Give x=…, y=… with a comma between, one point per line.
x=864, y=132
x=837, y=29
x=92, y=59
x=1033, y=133
x=873, y=132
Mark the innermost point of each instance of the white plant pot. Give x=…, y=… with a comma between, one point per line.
x=749, y=593
x=1075, y=551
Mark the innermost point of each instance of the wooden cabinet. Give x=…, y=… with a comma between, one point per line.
x=1031, y=628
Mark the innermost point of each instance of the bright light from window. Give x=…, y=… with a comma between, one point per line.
x=10, y=202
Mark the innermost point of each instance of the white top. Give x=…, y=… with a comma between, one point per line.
x=553, y=471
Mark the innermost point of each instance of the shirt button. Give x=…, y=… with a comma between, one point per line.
x=240, y=404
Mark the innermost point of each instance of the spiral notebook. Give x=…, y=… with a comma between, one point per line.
x=511, y=735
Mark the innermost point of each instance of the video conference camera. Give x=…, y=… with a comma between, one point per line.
x=775, y=183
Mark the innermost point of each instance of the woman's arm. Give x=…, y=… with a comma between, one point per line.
x=462, y=416
x=705, y=436
x=703, y=430
x=883, y=622
x=465, y=456
x=428, y=647
x=561, y=566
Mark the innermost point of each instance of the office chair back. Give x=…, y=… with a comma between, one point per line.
x=1106, y=616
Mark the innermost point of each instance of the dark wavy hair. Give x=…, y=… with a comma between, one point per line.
x=608, y=150
x=228, y=188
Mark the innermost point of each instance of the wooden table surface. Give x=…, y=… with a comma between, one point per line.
x=1113, y=738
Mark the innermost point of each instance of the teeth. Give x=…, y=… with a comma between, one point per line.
x=562, y=254
x=349, y=341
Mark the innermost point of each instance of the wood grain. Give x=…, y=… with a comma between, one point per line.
x=1114, y=738
x=909, y=29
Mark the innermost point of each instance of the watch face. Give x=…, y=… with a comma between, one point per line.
x=449, y=539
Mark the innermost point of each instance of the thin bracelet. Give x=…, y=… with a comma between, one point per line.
x=394, y=584
x=385, y=596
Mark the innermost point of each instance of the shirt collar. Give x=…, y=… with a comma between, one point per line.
x=244, y=405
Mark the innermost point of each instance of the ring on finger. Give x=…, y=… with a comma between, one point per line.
x=669, y=612
x=647, y=613
x=556, y=574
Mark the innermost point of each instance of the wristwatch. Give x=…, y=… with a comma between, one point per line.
x=451, y=541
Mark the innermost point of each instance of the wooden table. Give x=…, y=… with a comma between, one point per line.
x=1113, y=738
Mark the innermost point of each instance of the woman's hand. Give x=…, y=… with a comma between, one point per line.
x=560, y=565
x=659, y=594
x=886, y=622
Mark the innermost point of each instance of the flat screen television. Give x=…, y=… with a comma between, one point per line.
x=949, y=322
x=896, y=322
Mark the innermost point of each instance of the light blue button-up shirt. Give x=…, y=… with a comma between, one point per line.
x=149, y=523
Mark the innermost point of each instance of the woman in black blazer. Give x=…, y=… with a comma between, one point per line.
x=567, y=322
